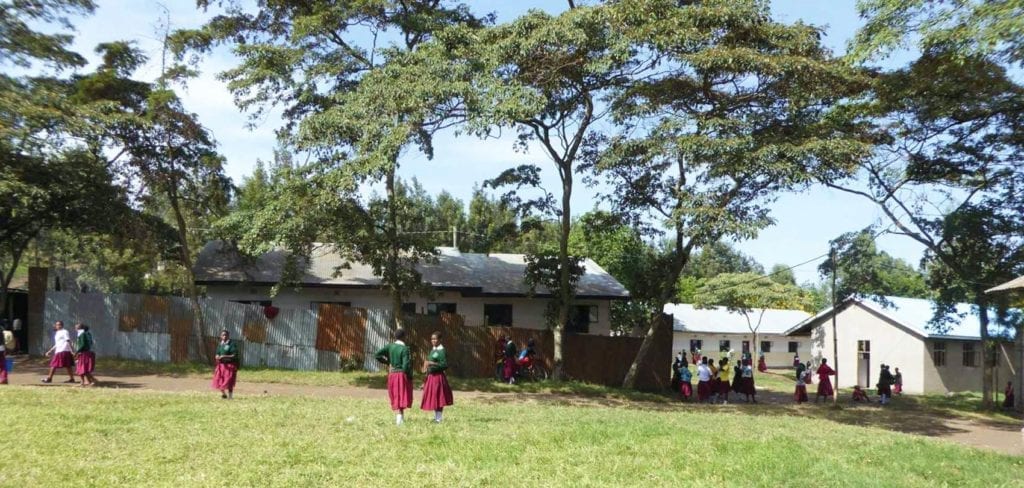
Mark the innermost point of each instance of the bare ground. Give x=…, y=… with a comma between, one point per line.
x=992, y=434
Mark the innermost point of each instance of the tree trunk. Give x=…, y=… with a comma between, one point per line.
x=393, y=251
x=199, y=324
x=564, y=291
x=657, y=321
x=986, y=351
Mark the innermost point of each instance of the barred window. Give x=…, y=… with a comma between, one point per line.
x=939, y=353
x=793, y=346
x=723, y=345
x=766, y=346
x=970, y=355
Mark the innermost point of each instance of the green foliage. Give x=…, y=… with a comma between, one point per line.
x=750, y=294
x=970, y=27
x=21, y=45
x=864, y=271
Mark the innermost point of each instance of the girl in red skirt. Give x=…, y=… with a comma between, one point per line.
x=436, y=392
x=226, y=372
x=704, y=376
x=85, y=358
x=396, y=356
x=803, y=376
x=61, y=350
x=824, y=383
x=685, y=381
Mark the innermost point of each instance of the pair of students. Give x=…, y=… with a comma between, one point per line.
x=437, y=394
x=81, y=357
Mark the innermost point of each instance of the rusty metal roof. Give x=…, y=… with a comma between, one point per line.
x=471, y=273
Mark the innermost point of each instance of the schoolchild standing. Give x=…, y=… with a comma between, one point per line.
x=225, y=374
x=685, y=381
x=436, y=392
x=724, y=379
x=61, y=350
x=704, y=376
x=396, y=355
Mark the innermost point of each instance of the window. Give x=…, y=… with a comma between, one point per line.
x=723, y=346
x=863, y=346
x=439, y=308
x=585, y=316
x=696, y=345
x=746, y=347
x=316, y=305
x=766, y=346
x=939, y=353
x=409, y=308
x=498, y=314
x=970, y=355
x=793, y=347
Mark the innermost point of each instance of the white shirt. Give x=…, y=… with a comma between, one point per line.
x=61, y=341
x=703, y=373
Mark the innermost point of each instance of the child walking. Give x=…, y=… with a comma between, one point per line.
x=85, y=358
x=436, y=392
x=396, y=356
x=685, y=381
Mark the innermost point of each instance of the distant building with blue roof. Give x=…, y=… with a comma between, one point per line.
x=717, y=329
x=900, y=334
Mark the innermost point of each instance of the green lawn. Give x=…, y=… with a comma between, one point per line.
x=167, y=439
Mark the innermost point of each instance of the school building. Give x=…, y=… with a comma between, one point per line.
x=485, y=289
x=870, y=333
x=714, y=330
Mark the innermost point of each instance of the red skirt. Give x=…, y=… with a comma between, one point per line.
x=686, y=389
x=801, y=393
x=747, y=386
x=703, y=390
x=510, y=368
x=399, y=390
x=85, y=363
x=897, y=389
x=224, y=376
x=724, y=388
x=3, y=368
x=62, y=360
x=436, y=392
x=761, y=366
x=825, y=387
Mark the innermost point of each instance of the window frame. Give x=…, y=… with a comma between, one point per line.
x=434, y=310
x=511, y=312
x=970, y=355
x=794, y=347
x=724, y=345
x=766, y=350
x=939, y=354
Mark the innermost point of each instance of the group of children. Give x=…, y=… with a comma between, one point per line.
x=509, y=361
x=888, y=383
x=714, y=382
x=77, y=358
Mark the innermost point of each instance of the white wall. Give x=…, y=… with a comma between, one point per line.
x=890, y=345
x=778, y=357
x=526, y=312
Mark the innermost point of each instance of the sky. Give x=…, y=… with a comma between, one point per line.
x=805, y=222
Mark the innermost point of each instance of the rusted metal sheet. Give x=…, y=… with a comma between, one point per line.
x=378, y=333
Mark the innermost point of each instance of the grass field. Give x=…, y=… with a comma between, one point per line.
x=63, y=436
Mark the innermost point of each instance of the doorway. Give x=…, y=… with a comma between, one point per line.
x=864, y=363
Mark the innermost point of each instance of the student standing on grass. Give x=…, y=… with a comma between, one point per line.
x=510, y=362
x=747, y=382
x=225, y=374
x=85, y=358
x=704, y=376
x=1008, y=395
x=436, y=392
x=737, y=376
x=676, y=365
x=61, y=352
x=396, y=355
x=884, y=385
x=761, y=365
x=499, y=357
x=824, y=383
x=685, y=381
x=897, y=383
x=800, y=395
x=724, y=377
x=714, y=380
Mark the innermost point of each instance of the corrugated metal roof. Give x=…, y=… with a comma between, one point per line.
x=489, y=274
x=719, y=320
x=915, y=314
x=1014, y=284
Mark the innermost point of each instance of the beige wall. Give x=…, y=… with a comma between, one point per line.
x=890, y=345
x=897, y=347
x=779, y=356
x=526, y=312
x=955, y=376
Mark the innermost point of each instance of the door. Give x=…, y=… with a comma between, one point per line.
x=864, y=363
x=746, y=347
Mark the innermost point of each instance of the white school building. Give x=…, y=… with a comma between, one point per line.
x=714, y=330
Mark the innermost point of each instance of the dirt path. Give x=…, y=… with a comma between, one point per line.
x=993, y=435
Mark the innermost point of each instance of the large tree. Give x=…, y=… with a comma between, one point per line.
x=736, y=108
x=862, y=270
x=949, y=142
x=358, y=84
x=546, y=77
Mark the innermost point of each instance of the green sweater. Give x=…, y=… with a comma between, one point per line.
x=229, y=349
x=396, y=355
x=84, y=342
x=440, y=357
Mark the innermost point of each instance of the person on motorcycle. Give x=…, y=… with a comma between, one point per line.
x=525, y=359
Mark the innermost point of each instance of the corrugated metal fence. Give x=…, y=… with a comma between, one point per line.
x=164, y=329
